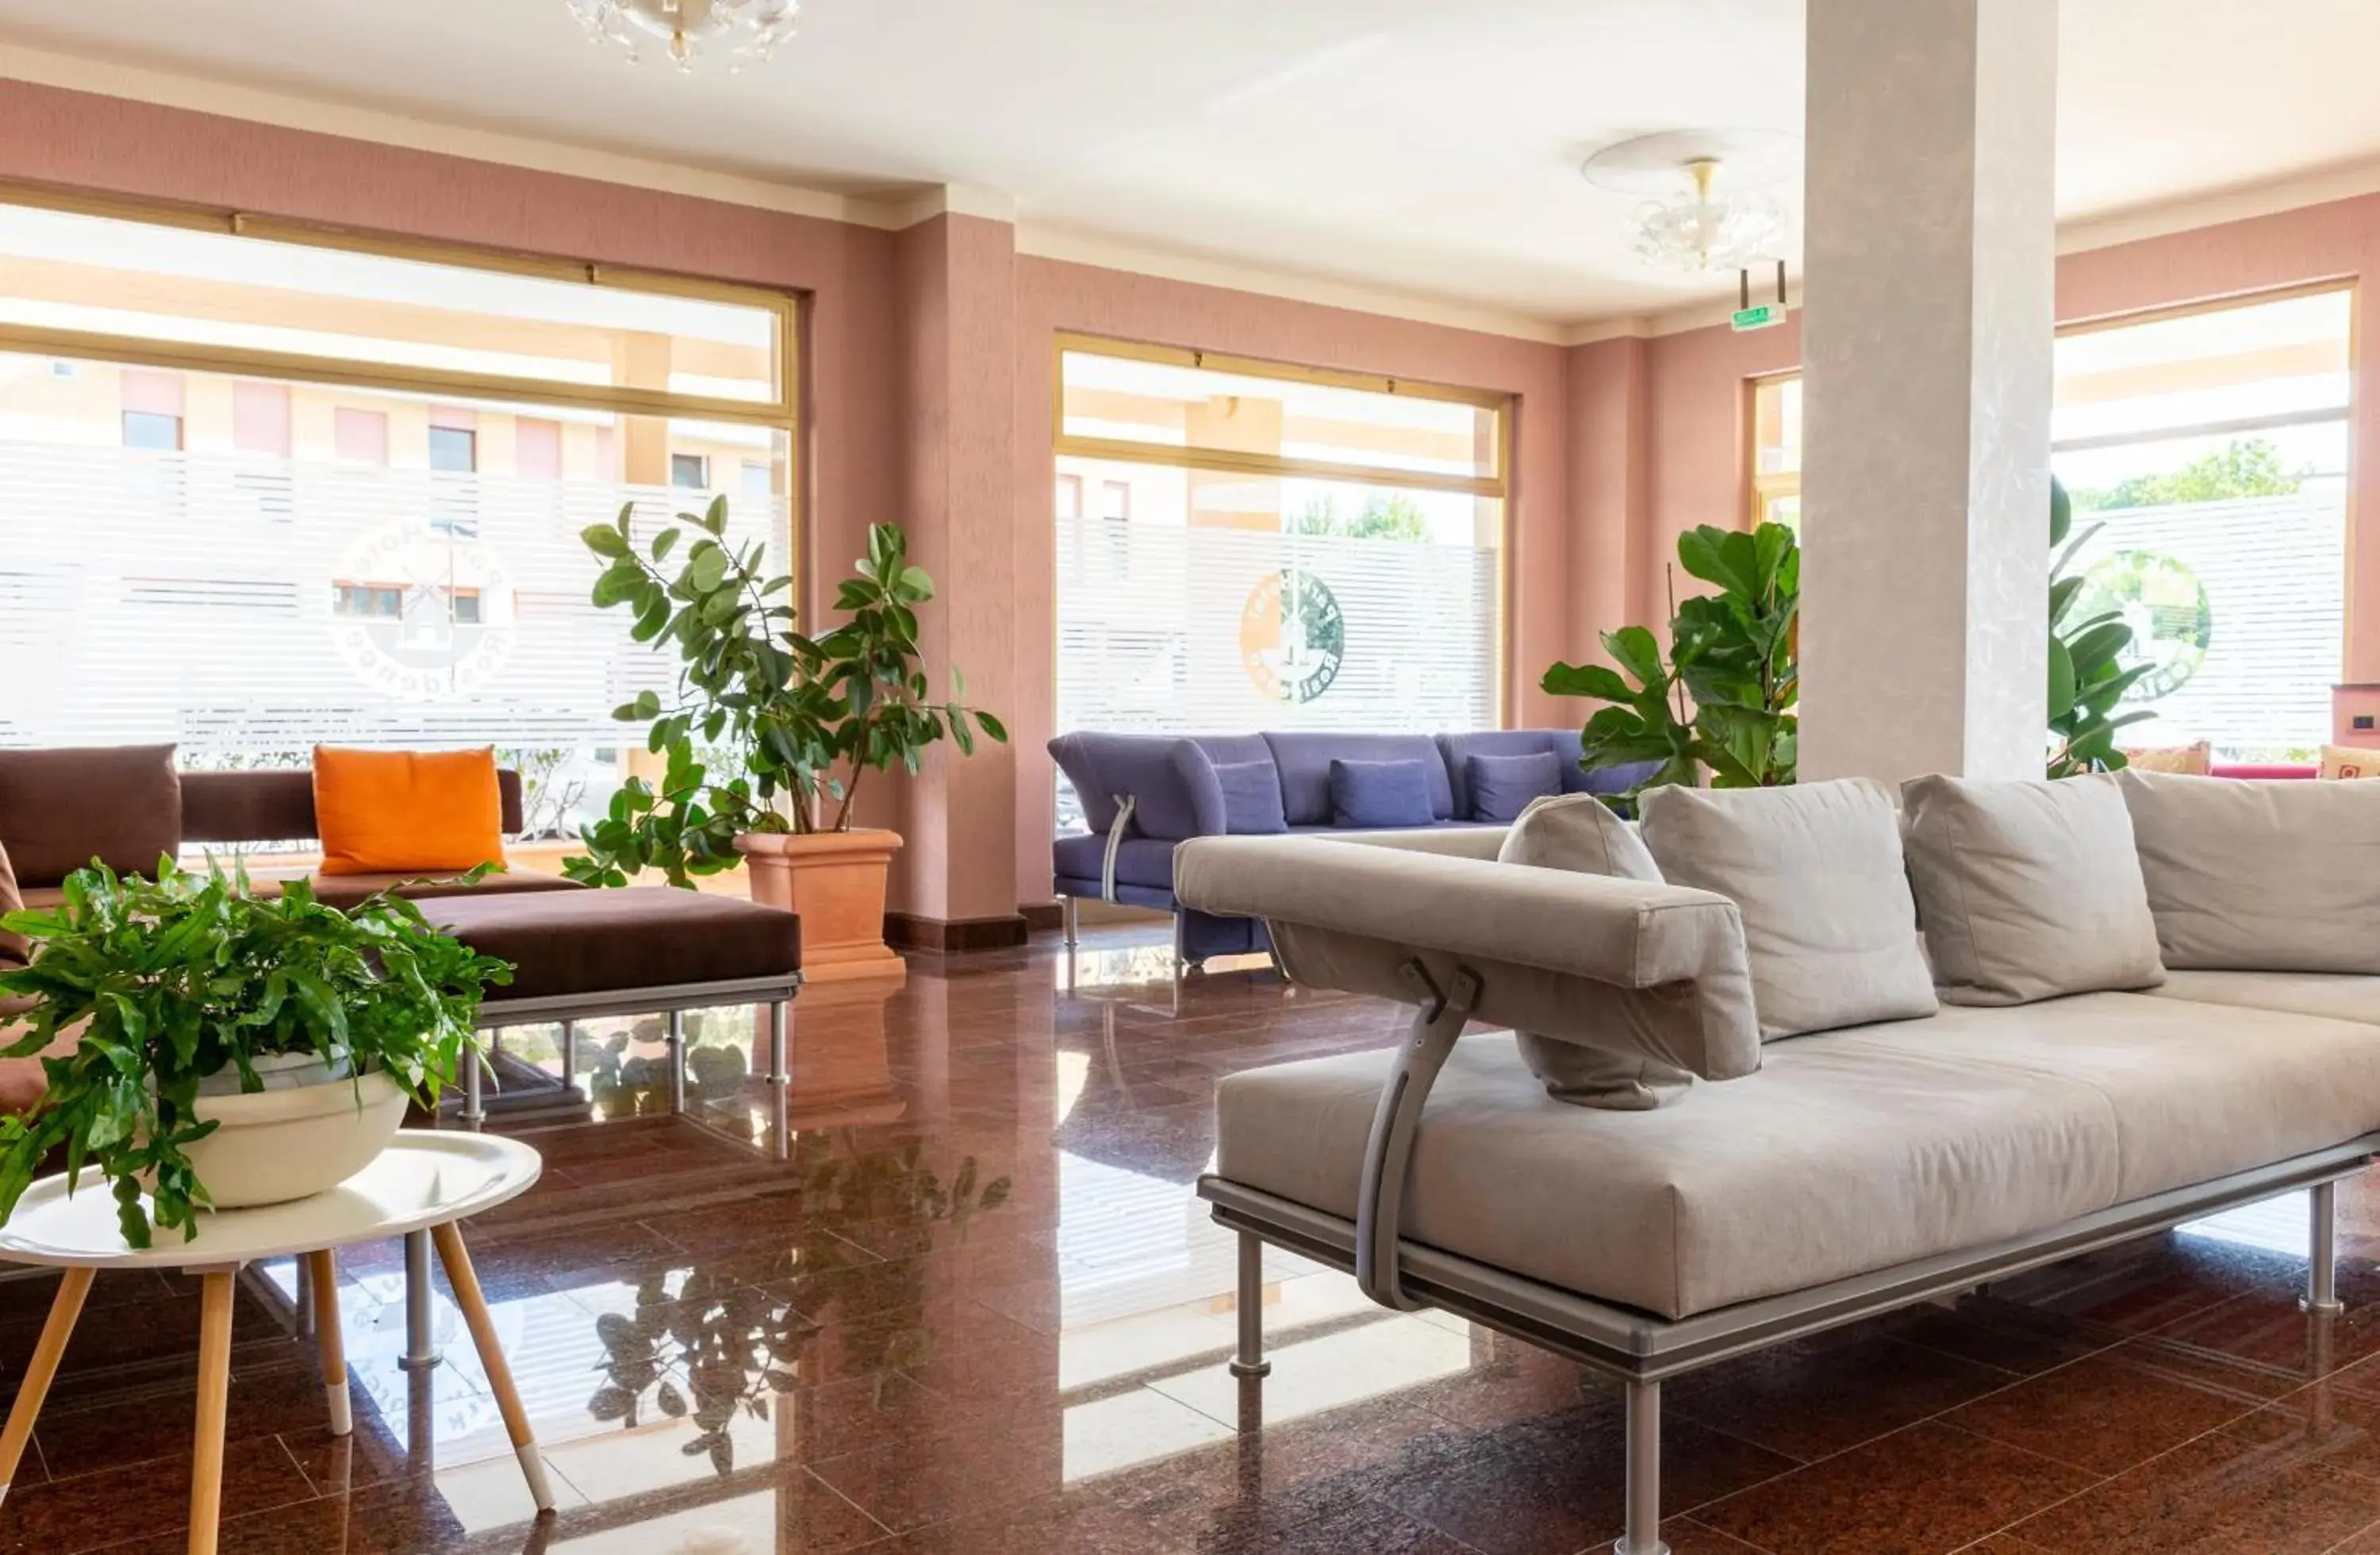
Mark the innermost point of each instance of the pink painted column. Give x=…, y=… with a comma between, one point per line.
x=1610, y=505
x=956, y=278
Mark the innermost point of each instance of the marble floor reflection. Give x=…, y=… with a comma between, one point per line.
x=977, y=1309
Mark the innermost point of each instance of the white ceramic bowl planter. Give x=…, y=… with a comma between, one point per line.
x=304, y=1133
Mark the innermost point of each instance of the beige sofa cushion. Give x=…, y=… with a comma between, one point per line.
x=2272, y=875
x=1577, y=832
x=1816, y=870
x=1822, y=1165
x=1847, y=1152
x=2333, y=995
x=2028, y=890
x=2196, y=1091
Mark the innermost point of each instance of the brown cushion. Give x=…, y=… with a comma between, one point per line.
x=607, y=941
x=345, y=890
x=61, y=809
x=276, y=805
x=15, y=949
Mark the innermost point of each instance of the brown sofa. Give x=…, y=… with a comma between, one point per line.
x=574, y=951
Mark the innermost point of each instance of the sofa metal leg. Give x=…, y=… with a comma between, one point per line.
x=420, y=1344
x=1644, y=1535
x=1250, y=1361
x=1073, y=920
x=676, y=1058
x=475, y=1112
x=781, y=1076
x=2321, y=1274
x=570, y=1055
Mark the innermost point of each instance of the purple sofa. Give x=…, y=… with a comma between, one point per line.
x=1144, y=794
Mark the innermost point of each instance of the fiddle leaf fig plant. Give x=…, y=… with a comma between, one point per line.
x=767, y=729
x=2088, y=678
x=160, y=984
x=1731, y=655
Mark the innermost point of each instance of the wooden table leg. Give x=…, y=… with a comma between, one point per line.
x=64, y=1309
x=466, y=1282
x=323, y=1270
x=214, y=1389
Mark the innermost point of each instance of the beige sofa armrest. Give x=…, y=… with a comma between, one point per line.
x=1650, y=970
x=1452, y=841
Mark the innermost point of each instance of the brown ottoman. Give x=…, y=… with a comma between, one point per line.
x=573, y=942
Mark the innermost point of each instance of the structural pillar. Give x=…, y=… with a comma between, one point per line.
x=954, y=883
x=1929, y=316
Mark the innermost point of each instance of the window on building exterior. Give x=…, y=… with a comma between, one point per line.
x=348, y=511
x=361, y=436
x=1245, y=546
x=367, y=601
x=690, y=472
x=759, y=480
x=2206, y=454
x=454, y=450
x=148, y=429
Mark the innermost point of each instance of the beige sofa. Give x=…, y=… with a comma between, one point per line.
x=2102, y=1059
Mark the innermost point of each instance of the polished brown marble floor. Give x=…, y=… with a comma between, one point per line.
x=980, y=1311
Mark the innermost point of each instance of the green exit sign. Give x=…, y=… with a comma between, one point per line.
x=1762, y=317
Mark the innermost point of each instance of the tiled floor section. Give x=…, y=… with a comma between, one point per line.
x=980, y=1312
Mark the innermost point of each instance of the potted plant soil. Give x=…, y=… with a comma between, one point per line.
x=210, y=1048
x=769, y=730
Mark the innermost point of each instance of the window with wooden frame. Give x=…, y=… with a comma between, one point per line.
x=362, y=425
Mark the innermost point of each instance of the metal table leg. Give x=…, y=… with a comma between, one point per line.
x=420, y=1344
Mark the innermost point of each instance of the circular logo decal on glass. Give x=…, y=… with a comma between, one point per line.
x=2163, y=603
x=422, y=613
x=1292, y=638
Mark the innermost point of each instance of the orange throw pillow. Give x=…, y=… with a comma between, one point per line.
x=2350, y=762
x=396, y=812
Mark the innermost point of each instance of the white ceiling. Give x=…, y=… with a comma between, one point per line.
x=1428, y=146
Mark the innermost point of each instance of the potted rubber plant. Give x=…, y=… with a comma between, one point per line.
x=770, y=733
x=215, y=1048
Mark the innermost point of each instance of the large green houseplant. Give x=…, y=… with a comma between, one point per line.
x=769, y=732
x=180, y=996
x=2088, y=678
x=1732, y=651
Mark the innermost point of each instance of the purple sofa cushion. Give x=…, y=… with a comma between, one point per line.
x=1251, y=798
x=1169, y=779
x=1305, y=761
x=1502, y=786
x=1377, y=793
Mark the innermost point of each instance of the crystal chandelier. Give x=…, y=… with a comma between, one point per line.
x=1708, y=232
x=746, y=28
x=1697, y=219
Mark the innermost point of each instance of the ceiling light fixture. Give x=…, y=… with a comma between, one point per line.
x=747, y=28
x=1705, y=214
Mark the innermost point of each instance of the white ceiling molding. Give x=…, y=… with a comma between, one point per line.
x=959, y=200
x=168, y=89
x=2319, y=186
x=1105, y=253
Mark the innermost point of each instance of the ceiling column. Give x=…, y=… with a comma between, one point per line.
x=1926, y=336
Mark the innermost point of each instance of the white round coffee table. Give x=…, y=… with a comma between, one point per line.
x=424, y=1180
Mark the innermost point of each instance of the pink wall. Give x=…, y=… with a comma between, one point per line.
x=1694, y=382
x=1054, y=296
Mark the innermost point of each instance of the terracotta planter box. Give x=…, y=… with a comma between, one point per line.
x=835, y=881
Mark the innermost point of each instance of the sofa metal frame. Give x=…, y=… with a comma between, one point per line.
x=777, y=993
x=1637, y=1348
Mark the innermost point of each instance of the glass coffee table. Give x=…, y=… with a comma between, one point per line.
x=424, y=1182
